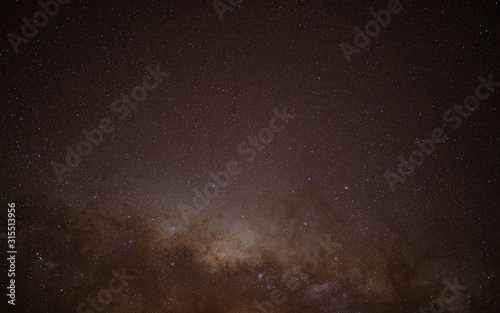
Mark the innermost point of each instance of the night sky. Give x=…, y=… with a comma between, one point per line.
x=270, y=157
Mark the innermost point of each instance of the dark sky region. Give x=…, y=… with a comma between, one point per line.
x=301, y=215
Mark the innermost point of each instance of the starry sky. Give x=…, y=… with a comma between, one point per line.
x=219, y=91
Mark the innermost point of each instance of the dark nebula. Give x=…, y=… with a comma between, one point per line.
x=251, y=156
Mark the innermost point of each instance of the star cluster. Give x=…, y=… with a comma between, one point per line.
x=199, y=194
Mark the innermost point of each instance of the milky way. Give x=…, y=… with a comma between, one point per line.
x=241, y=156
